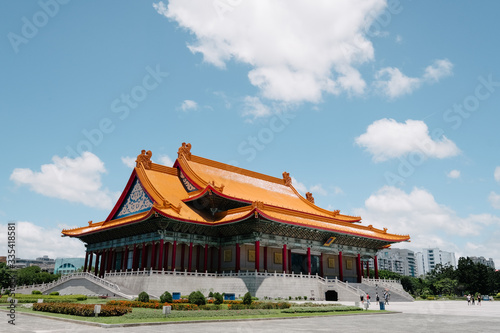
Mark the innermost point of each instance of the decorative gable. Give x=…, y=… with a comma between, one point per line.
x=137, y=201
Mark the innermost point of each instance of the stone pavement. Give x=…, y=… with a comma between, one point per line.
x=421, y=316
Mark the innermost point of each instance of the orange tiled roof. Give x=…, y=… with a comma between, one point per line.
x=270, y=197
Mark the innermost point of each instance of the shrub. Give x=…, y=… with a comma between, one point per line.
x=36, y=292
x=86, y=310
x=218, y=299
x=166, y=297
x=247, y=299
x=54, y=293
x=196, y=297
x=143, y=297
x=210, y=294
x=210, y=307
x=305, y=298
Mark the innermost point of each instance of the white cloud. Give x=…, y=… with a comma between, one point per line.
x=439, y=69
x=255, y=108
x=76, y=180
x=297, y=51
x=302, y=188
x=129, y=161
x=399, y=39
x=418, y=214
x=497, y=174
x=337, y=190
x=391, y=82
x=494, y=200
x=454, y=174
x=386, y=139
x=166, y=160
x=34, y=241
x=189, y=105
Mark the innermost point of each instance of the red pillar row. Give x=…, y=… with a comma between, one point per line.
x=257, y=255
x=160, y=256
x=367, y=269
x=143, y=256
x=219, y=262
x=309, y=260
x=109, y=263
x=134, y=258
x=375, y=263
x=205, y=258
x=289, y=261
x=358, y=267
x=96, y=263
x=182, y=256
x=86, y=259
x=153, y=255
x=265, y=258
x=165, y=264
x=284, y=261
x=341, y=267
x=174, y=252
x=198, y=249
x=125, y=259
x=190, y=257
x=89, y=268
x=321, y=272
x=237, y=257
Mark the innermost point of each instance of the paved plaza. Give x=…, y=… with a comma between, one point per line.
x=429, y=316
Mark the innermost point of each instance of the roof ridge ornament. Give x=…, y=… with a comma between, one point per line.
x=185, y=150
x=309, y=197
x=336, y=212
x=144, y=158
x=287, y=178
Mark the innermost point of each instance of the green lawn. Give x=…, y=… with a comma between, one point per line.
x=141, y=315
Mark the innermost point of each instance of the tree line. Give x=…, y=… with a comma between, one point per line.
x=467, y=278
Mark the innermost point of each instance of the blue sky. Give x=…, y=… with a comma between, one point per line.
x=388, y=110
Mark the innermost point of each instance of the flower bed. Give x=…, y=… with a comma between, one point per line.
x=154, y=305
x=321, y=309
x=86, y=310
x=22, y=298
x=259, y=305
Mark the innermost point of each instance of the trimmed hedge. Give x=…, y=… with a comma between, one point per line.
x=154, y=305
x=260, y=305
x=23, y=298
x=85, y=310
x=321, y=309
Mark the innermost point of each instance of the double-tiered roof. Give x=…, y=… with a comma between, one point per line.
x=208, y=197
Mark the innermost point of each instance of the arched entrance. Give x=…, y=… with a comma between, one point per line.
x=331, y=295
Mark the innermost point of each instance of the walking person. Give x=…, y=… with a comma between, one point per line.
x=468, y=299
x=479, y=299
x=472, y=299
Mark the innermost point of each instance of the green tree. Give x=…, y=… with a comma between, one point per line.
x=218, y=298
x=143, y=297
x=446, y=286
x=247, y=298
x=196, y=297
x=5, y=275
x=166, y=297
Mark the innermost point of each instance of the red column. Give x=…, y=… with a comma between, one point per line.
x=182, y=256
x=358, y=265
x=86, y=260
x=375, y=263
x=165, y=264
x=321, y=272
x=219, y=262
x=284, y=258
x=134, y=258
x=190, y=257
x=341, y=267
x=143, y=256
x=96, y=263
x=108, y=264
x=153, y=255
x=205, y=258
x=160, y=255
x=198, y=249
x=309, y=260
x=367, y=269
x=289, y=261
x=237, y=257
x=90, y=263
x=103, y=263
x=265, y=258
x=174, y=253
x=113, y=260
x=125, y=258
x=257, y=255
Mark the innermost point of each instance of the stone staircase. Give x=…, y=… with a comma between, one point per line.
x=396, y=295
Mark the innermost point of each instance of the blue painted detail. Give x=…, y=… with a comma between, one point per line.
x=176, y=296
x=186, y=183
x=229, y=297
x=137, y=201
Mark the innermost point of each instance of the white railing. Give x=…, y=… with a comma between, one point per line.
x=346, y=286
x=45, y=286
x=247, y=273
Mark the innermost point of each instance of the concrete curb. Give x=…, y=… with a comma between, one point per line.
x=193, y=321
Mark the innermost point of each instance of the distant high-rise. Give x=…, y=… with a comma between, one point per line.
x=401, y=261
x=484, y=261
x=429, y=258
